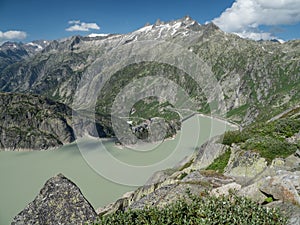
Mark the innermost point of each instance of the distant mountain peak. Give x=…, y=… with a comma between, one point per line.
x=187, y=18
x=212, y=26
x=159, y=22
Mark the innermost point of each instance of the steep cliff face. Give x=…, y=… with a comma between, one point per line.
x=32, y=122
x=60, y=201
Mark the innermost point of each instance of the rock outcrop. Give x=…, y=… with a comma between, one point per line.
x=33, y=123
x=245, y=165
x=60, y=201
x=283, y=186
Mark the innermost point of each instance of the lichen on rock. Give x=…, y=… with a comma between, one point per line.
x=60, y=201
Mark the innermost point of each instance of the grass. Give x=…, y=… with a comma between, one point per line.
x=221, y=162
x=238, y=111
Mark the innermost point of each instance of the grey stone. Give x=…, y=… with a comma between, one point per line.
x=207, y=153
x=284, y=186
x=225, y=189
x=297, y=153
x=291, y=211
x=245, y=165
x=60, y=201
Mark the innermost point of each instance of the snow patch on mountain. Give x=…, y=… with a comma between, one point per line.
x=145, y=29
x=36, y=46
x=92, y=35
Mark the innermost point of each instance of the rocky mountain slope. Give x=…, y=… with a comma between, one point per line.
x=252, y=74
x=11, y=52
x=33, y=122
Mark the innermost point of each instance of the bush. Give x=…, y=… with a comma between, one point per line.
x=206, y=210
x=268, y=139
x=270, y=148
x=231, y=137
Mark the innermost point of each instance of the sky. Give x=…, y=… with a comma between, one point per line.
x=27, y=20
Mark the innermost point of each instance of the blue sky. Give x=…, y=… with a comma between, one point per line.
x=26, y=20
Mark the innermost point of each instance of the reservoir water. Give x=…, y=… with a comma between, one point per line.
x=23, y=174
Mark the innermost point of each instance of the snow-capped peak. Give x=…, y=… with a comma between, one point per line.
x=161, y=30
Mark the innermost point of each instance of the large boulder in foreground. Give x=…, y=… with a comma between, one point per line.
x=60, y=201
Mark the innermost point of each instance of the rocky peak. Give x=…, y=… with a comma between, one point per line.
x=10, y=45
x=186, y=23
x=187, y=20
x=13, y=50
x=211, y=26
x=159, y=22
x=74, y=41
x=26, y=48
x=60, y=201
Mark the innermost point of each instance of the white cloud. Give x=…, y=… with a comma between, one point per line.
x=245, y=16
x=77, y=25
x=12, y=35
x=256, y=35
x=74, y=22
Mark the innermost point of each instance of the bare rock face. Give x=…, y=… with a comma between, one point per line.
x=284, y=186
x=207, y=153
x=245, y=165
x=288, y=209
x=60, y=201
x=33, y=122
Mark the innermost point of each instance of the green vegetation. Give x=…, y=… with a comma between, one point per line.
x=268, y=200
x=268, y=139
x=186, y=165
x=236, y=136
x=221, y=162
x=183, y=175
x=238, y=111
x=270, y=148
x=151, y=107
x=199, y=210
x=134, y=72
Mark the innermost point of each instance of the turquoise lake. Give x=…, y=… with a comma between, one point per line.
x=102, y=181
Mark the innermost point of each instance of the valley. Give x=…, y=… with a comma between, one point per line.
x=145, y=112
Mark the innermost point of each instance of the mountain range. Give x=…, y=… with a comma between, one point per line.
x=254, y=76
